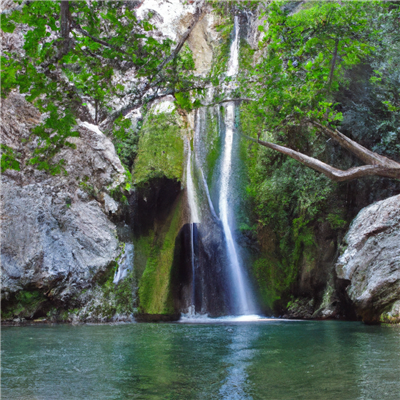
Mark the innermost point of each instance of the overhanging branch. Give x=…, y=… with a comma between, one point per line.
x=365, y=155
x=332, y=173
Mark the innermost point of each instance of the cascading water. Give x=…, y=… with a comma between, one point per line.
x=243, y=302
x=193, y=206
x=218, y=284
x=194, y=219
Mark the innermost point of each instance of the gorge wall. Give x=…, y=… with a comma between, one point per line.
x=66, y=238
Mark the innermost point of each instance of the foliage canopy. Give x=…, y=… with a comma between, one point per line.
x=94, y=61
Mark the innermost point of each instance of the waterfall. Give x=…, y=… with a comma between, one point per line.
x=193, y=206
x=233, y=64
x=125, y=263
x=241, y=291
x=194, y=219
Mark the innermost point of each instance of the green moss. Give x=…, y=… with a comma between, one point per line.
x=276, y=272
x=225, y=29
x=160, y=151
x=125, y=295
x=389, y=316
x=155, y=295
x=143, y=247
x=246, y=55
x=274, y=279
x=212, y=143
x=23, y=304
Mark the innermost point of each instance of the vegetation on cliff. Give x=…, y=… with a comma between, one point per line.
x=160, y=151
x=306, y=56
x=78, y=60
x=321, y=66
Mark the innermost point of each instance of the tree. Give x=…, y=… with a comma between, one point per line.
x=80, y=57
x=305, y=57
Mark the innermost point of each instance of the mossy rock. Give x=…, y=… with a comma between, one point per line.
x=23, y=304
x=155, y=289
x=161, y=150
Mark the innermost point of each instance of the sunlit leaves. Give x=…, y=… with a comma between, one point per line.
x=305, y=56
x=106, y=40
x=8, y=159
x=51, y=137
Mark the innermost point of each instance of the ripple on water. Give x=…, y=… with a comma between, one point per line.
x=228, y=359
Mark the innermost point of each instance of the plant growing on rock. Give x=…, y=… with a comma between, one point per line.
x=92, y=61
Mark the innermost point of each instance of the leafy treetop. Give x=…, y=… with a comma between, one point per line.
x=75, y=63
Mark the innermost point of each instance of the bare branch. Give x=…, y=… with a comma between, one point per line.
x=365, y=155
x=196, y=18
x=332, y=173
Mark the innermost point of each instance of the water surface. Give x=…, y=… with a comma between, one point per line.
x=249, y=360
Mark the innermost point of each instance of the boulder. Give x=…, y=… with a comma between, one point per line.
x=371, y=261
x=57, y=234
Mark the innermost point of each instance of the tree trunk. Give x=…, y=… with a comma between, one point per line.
x=333, y=64
x=64, y=19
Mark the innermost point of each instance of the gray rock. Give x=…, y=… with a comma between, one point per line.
x=371, y=261
x=47, y=243
x=56, y=234
x=110, y=205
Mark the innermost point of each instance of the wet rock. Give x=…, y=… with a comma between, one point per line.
x=371, y=261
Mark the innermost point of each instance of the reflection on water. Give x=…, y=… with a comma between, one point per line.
x=236, y=384
x=232, y=360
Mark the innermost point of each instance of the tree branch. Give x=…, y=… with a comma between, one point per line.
x=64, y=19
x=137, y=101
x=365, y=155
x=333, y=64
x=196, y=18
x=77, y=27
x=332, y=173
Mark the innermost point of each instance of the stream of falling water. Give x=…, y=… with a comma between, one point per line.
x=194, y=219
x=242, y=295
x=242, y=298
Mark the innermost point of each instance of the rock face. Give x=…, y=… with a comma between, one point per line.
x=371, y=262
x=57, y=236
x=48, y=242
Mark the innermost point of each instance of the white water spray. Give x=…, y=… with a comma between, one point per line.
x=244, y=303
x=193, y=206
x=125, y=263
x=194, y=218
x=233, y=64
